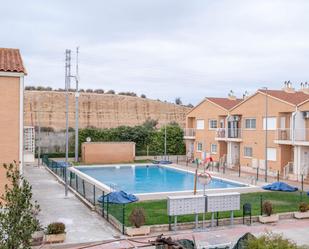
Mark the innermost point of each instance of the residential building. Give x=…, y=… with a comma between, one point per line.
x=268, y=130
x=12, y=72
x=204, y=124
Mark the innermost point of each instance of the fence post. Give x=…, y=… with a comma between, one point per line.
x=239, y=169
x=94, y=195
x=84, y=192
x=76, y=182
x=278, y=176
x=261, y=204
x=177, y=159
x=107, y=207
x=70, y=179
x=123, y=217
x=257, y=173
x=302, y=187
x=103, y=204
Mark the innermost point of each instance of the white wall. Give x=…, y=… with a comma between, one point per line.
x=300, y=127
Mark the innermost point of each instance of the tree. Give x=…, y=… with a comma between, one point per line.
x=143, y=96
x=17, y=220
x=190, y=105
x=110, y=92
x=178, y=101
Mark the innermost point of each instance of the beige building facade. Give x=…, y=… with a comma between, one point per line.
x=268, y=130
x=12, y=74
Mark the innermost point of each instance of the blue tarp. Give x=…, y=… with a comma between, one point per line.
x=280, y=186
x=162, y=162
x=119, y=197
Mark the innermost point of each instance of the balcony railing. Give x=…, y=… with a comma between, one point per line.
x=189, y=132
x=298, y=135
x=226, y=133
x=284, y=134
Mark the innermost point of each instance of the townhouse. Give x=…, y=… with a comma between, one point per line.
x=204, y=123
x=269, y=129
x=12, y=72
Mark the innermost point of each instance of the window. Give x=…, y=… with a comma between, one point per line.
x=213, y=148
x=213, y=124
x=271, y=154
x=200, y=124
x=248, y=152
x=250, y=123
x=271, y=123
x=199, y=146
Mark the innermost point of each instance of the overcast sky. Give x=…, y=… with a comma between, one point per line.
x=163, y=48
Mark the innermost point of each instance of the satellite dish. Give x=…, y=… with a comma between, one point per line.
x=88, y=139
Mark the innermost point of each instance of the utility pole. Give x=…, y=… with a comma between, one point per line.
x=266, y=133
x=67, y=86
x=76, y=108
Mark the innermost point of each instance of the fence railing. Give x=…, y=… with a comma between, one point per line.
x=228, y=133
x=189, y=132
x=93, y=191
x=284, y=134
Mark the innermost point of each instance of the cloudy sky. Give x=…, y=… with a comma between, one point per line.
x=163, y=48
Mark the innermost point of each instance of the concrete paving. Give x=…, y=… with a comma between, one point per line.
x=82, y=224
x=295, y=230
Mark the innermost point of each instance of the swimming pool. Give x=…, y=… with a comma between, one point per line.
x=150, y=178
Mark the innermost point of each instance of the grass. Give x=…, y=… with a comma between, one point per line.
x=156, y=211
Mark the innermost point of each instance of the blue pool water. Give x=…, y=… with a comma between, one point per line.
x=150, y=179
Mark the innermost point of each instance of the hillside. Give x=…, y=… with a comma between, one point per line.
x=97, y=110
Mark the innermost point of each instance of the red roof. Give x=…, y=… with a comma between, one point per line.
x=226, y=103
x=11, y=61
x=294, y=98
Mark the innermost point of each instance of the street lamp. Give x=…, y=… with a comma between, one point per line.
x=266, y=132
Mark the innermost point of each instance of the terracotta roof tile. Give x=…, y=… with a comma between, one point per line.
x=294, y=98
x=11, y=61
x=226, y=103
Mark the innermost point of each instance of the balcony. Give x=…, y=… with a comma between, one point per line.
x=292, y=137
x=189, y=133
x=228, y=134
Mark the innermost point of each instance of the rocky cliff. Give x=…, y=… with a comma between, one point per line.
x=97, y=110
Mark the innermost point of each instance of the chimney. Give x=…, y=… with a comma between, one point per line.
x=288, y=87
x=245, y=95
x=231, y=95
x=304, y=87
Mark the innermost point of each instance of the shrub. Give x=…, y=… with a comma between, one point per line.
x=143, y=96
x=137, y=217
x=270, y=240
x=100, y=91
x=303, y=207
x=267, y=208
x=55, y=228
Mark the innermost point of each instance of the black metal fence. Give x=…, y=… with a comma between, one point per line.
x=95, y=195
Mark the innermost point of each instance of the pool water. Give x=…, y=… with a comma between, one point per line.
x=150, y=179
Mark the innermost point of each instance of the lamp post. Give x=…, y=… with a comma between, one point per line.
x=76, y=107
x=266, y=133
x=67, y=86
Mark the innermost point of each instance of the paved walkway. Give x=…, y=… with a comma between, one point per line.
x=296, y=230
x=82, y=224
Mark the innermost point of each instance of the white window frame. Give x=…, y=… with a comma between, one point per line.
x=245, y=150
x=271, y=154
x=200, y=124
x=270, y=127
x=197, y=147
x=211, y=149
x=210, y=122
x=250, y=122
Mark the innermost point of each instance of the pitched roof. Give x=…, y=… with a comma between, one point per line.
x=11, y=61
x=293, y=98
x=226, y=103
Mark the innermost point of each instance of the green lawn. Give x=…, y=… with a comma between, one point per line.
x=156, y=211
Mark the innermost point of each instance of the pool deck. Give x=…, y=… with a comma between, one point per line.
x=82, y=224
x=295, y=230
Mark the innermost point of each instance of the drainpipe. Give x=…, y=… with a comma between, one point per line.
x=293, y=126
x=293, y=140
